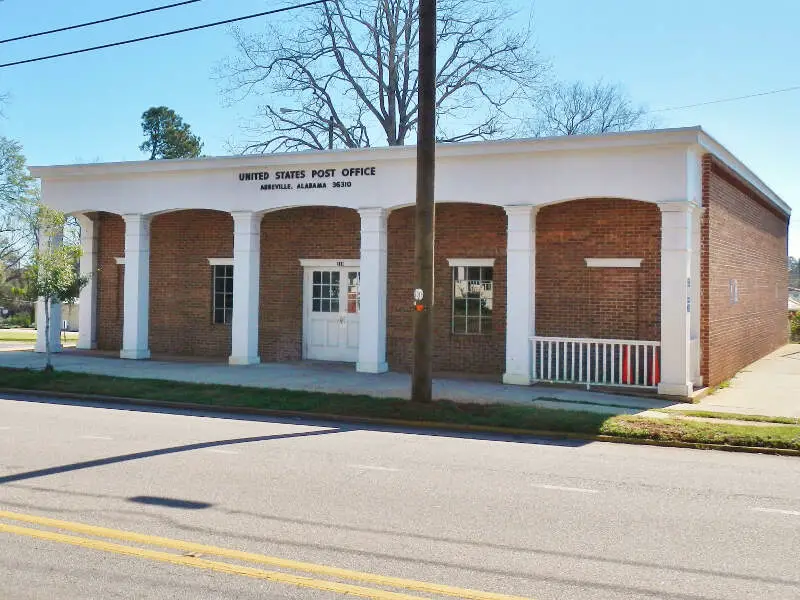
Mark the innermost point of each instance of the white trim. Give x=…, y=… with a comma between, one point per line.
x=614, y=262
x=120, y=260
x=220, y=261
x=309, y=263
x=470, y=262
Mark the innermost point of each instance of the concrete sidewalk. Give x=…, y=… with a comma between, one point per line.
x=770, y=386
x=336, y=378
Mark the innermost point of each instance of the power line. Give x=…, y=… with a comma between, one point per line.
x=108, y=20
x=721, y=100
x=165, y=34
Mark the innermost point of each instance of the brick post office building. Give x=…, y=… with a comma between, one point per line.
x=651, y=259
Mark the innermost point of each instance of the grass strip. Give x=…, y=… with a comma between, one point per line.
x=730, y=416
x=26, y=335
x=512, y=417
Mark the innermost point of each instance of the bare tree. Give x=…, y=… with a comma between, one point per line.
x=580, y=108
x=349, y=74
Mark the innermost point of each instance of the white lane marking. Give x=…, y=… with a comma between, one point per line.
x=218, y=451
x=96, y=437
x=561, y=488
x=794, y=513
x=373, y=468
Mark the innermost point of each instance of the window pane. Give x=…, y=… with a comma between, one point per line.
x=335, y=277
x=335, y=305
x=219, y=316
x=317, y=277
x=229, y=301
x=473, y=325
x=228, y=315
x=326, y=306
x=459, y=307
x=229, y=285
x=219, y=284
x=334, y=291
x=473, y=307
x=316, y=305
x=326, y=277
x=219, y=300
x=228, y=270
x=473, y=273
x=488, y=273
x=459, y=325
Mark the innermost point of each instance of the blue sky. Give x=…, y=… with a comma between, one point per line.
x=88, y=107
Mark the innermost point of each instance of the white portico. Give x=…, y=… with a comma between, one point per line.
x=344, y=298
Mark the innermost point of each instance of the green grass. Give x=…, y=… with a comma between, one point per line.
x=733, y=416
x=27, y=335
x=510, y=417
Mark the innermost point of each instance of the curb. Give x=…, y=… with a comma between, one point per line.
x=420, y=425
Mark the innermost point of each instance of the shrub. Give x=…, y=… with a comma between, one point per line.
x=794, y=326
x=21, y=319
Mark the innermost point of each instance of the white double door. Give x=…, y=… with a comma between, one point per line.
x=331, y=312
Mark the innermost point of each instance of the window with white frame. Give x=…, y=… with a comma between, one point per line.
x=473, y=296
x=223, y=293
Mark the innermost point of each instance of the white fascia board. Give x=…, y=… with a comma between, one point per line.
x=574, y=143
x=470, y=262
x=626, y=263
x=120, y=260
x=220, y=261
x=709, y=144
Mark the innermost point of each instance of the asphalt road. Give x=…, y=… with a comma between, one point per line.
x=542, y=520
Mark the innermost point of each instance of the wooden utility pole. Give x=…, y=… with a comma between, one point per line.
x=421, y=384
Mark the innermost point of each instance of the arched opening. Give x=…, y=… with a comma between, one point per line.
x=183, y=282
x=598, y=300
x=321, y=233
x=469, y=288
x=109, y=278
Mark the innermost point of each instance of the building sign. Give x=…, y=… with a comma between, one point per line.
x=306, y=179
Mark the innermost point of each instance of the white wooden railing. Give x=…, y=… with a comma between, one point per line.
x=629, y=363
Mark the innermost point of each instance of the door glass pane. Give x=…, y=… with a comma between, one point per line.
x=353, y=292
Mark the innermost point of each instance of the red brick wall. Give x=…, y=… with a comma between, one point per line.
x=181, y=297
x=573, y=300
x=462, y=231
x=110, y=244
x=286, y=237
x=745, y=239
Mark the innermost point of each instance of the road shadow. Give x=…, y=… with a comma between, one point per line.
x=341, y=426
x=110, y=460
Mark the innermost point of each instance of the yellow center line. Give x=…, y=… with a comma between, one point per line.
x=315, y=569
x=200, y=563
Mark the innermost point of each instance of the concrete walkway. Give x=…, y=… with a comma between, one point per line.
x=335, y=378
x=770, y=386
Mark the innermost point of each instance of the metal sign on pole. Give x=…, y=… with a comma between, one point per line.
x=421, y=383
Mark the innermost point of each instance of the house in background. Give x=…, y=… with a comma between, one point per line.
x=677, y=248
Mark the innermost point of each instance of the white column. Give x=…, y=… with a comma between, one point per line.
x=136, y=308
x=520, y=293
x=48, y=239
x=246, y=266
x=372, y=318
x=87, y=304
x=694, y=289
x=677, y=236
